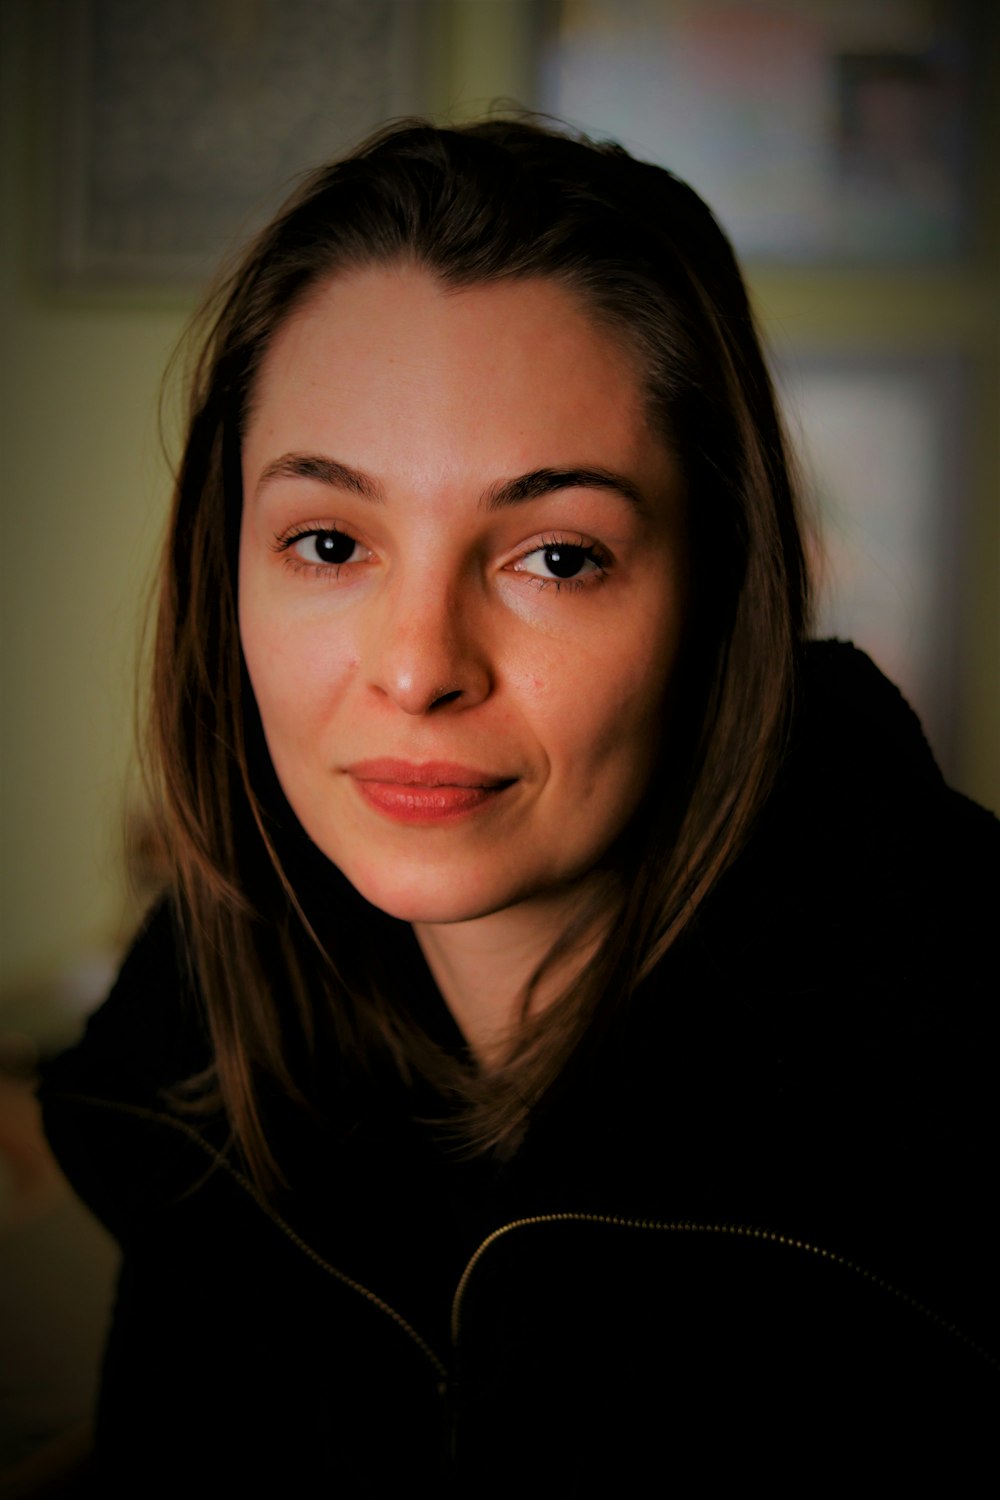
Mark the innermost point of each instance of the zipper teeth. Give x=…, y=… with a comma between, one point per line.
x=142, y=1113
x=740, y=1231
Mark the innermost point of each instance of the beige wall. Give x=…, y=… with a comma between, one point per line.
x=85, y=488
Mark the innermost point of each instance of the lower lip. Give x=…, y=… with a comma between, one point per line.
x=407, y=803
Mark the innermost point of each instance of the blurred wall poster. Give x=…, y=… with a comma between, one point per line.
x=818, y=130
x=182, y=123
x=880, y=442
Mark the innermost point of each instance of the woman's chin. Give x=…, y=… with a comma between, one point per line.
x=425, y=897
x=424, y=902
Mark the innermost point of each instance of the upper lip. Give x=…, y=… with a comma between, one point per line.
x=424, y=773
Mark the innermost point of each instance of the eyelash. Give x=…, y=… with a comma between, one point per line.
x=592, y=553
x=284, y=544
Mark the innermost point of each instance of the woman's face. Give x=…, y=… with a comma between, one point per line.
x=462, y=586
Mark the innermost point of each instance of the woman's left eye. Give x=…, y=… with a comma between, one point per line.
x=560, y=562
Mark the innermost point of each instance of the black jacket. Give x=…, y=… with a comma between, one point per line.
x=751, y=1235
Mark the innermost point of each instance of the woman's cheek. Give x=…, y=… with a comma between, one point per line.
x=296, y=670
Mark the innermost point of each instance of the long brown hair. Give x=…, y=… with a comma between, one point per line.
x=473, y=204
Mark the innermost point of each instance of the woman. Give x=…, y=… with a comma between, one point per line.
x=560, y=1059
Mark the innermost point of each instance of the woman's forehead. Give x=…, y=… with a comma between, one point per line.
x=390, y=358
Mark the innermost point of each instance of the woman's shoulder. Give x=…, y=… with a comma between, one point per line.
x=107, y=1101
x=147, y=1034
x=854, y=728
x=860, y=810
x=869, y=888
x=845, y=968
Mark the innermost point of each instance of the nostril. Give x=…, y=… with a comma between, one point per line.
x=444, y=698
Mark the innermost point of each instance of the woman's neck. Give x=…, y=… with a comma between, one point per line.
x=483, y=967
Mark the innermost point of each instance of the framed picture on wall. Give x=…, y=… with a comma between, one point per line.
x=179, y=124
x=819, y=131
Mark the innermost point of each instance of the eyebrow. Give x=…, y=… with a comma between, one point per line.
x=547, y=481
x=327, y=470
x=526, y=487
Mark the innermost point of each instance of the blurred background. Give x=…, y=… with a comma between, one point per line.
x=849, y=147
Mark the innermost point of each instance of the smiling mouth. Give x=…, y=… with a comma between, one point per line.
x=432, y=792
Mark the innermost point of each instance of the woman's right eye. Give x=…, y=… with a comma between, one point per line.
x=323, y=546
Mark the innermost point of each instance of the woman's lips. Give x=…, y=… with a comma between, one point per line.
x=426, y=793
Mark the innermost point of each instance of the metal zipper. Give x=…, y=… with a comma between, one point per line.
x=741, y=1231
x=190, y=1133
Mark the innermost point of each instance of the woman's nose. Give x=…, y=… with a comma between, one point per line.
x=427, y=648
